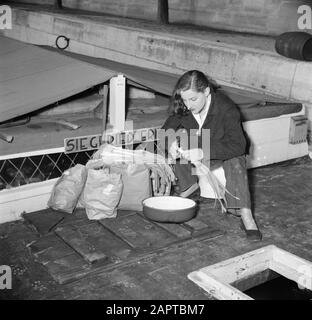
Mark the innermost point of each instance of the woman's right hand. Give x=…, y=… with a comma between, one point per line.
x=193, y=155
x=174, y=150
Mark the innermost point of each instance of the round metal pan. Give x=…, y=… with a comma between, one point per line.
x=169, y=209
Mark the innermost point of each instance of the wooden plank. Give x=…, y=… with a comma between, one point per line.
x=67, y=268
x=116, y=249
x=176, y=229
x=117, y=107
x=200, y=228
x=67, y=274
x=196, y=226
x=241, y=266
x=124, y=213
x=104, y=107
x=49, y=248
x=216, y=288
x=77, y=240
x=78, y=218
x=138, y=232
x=44, y=221
x=94, y=242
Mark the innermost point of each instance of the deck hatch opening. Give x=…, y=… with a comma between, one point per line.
x=256, y=275
x=270, y=285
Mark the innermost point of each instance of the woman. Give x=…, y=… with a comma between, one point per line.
x=195, y=106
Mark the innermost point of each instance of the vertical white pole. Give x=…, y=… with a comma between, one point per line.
x=105, y=107
x=117, y=102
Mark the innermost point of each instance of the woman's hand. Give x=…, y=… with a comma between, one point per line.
x=201, y=169
x=193, y=155
x=174, y=150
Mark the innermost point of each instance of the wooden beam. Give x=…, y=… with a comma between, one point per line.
x=117, y=107
x=105, y=106
x=163, y=12
x=67, y=124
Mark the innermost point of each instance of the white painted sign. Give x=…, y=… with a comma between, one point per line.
x=93, y=142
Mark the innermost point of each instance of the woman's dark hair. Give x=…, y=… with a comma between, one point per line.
x=193, y=79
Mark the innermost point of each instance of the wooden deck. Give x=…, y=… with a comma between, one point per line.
x=61, y=256
x=71, y=247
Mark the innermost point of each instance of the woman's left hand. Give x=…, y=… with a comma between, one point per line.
x=201, y=169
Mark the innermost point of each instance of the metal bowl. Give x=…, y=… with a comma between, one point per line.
x=169, y=209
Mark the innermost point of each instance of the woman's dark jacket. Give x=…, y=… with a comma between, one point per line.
x=227, y=138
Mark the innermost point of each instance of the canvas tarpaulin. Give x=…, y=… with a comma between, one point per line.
x=32, y=77
x=253, y=105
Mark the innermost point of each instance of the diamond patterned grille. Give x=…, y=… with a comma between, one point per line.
x=21, y=171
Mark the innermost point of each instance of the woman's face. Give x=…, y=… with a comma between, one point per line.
x=195, y=101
